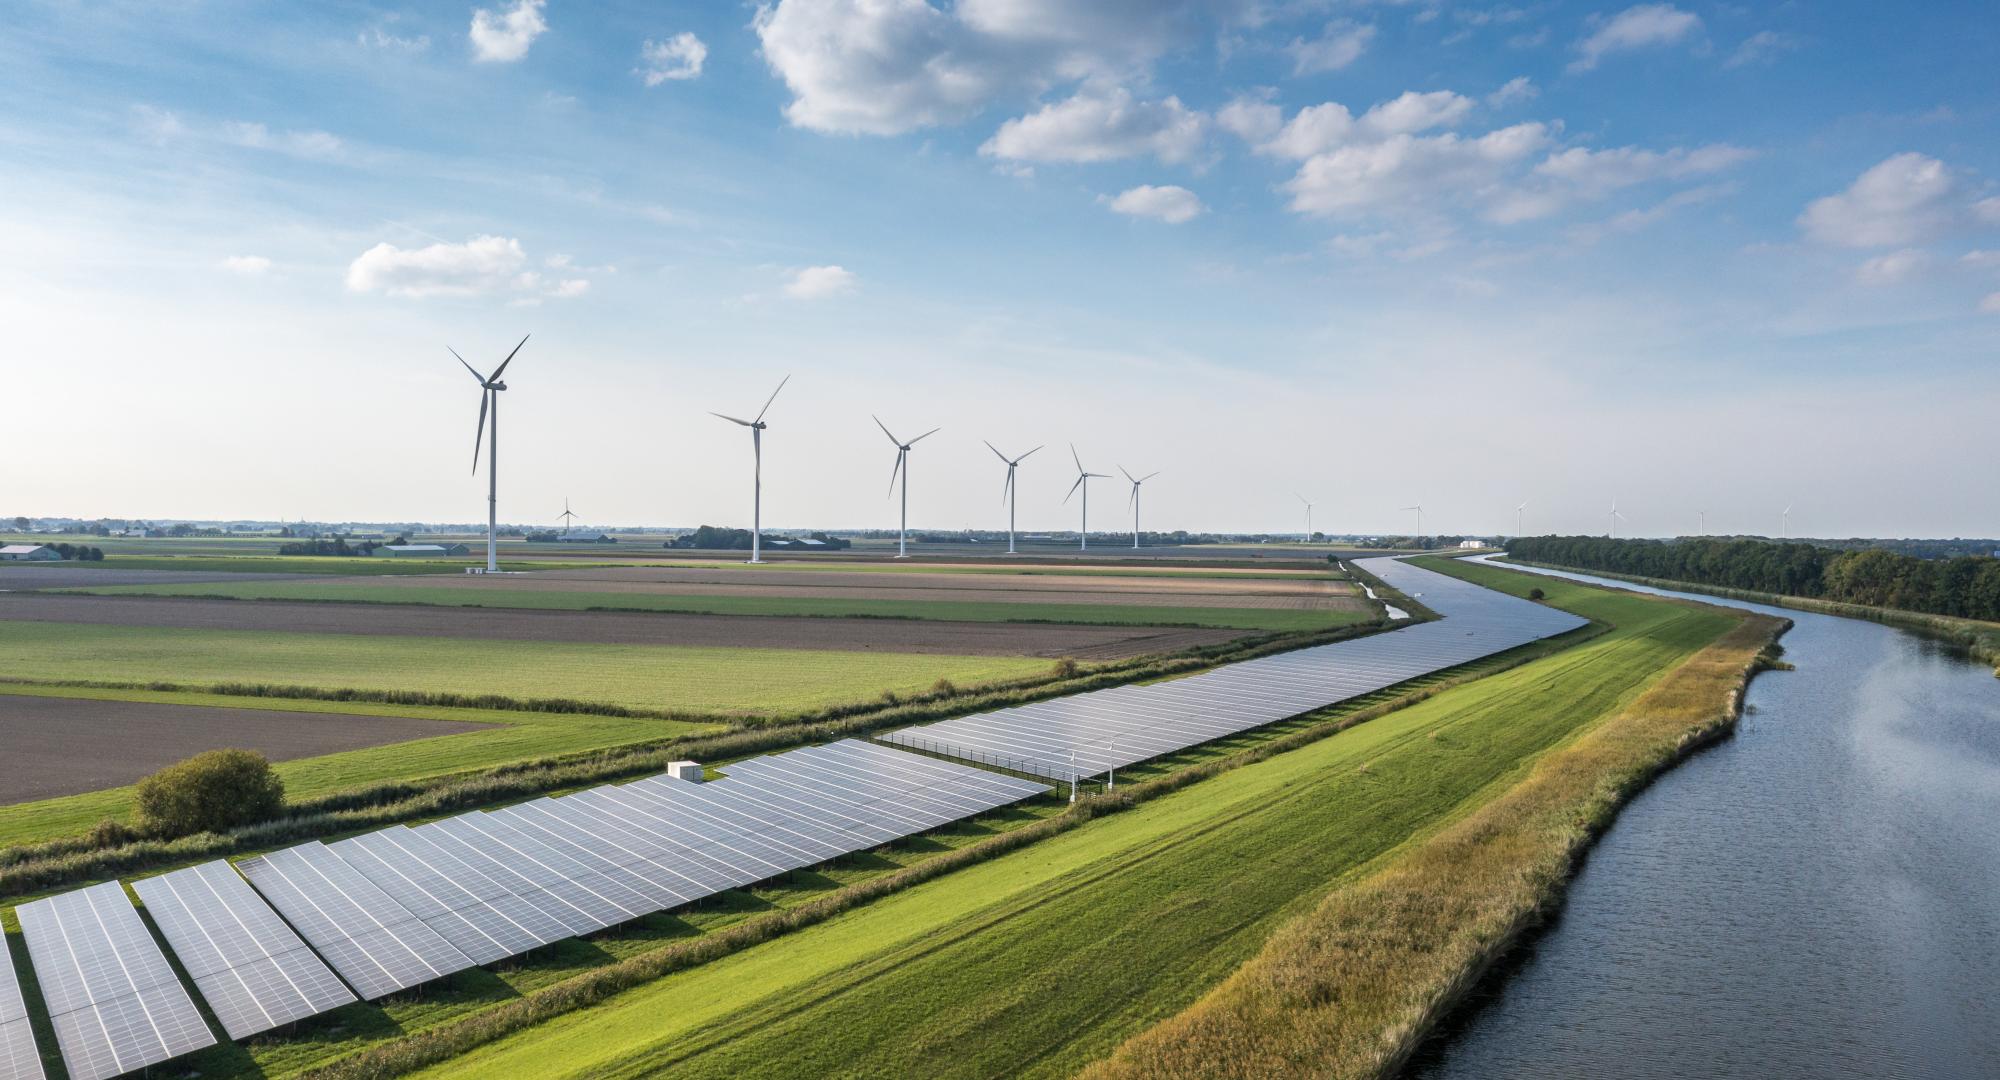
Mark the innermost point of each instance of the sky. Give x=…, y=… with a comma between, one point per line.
x=1685, y=257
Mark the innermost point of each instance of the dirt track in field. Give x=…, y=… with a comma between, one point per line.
x=65, y=746
x=613, y=628
x=59, y=576
x=1310, y=594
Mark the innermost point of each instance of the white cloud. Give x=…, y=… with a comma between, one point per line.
x=1516, y=91
x=819, y=282
x=482, y=266
x=1099, y=125
x=156, y=125
x=306, y=144
x=505, y=37
x=1171, y=204
x=1409, y=172
x=1763, y=46
x=1314, y=129
x=678, y=57
x=247, y=265
x=1339, y=45
x=1411, y=112
x=1980, y=260
x=1904, y=200
x=1254, y=120
x=1640, y=27
x=1893, y=268
x=376, y=37
x=1987, y=211
x=1596, y=172
x=1991, y=305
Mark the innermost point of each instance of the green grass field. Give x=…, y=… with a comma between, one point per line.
x=693, y=679
x=1040, y=961
x=1276, y=619
x=515, y=736
x=330, y=565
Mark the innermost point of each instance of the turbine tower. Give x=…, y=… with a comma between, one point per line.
x=1703, y=515
x=1785, y=522
x=1616, y=517
x=569, y=519
x=1135, y=501
x=1007, y=490
x=489, y=405
x=757, y=427
x=902, y=466
x=1083, y=479
x=1521, y=519
x=1419, y=508
x=1309, y=515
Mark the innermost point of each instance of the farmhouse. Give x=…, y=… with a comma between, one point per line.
x=1472, y=545
x=423, y=551
x=29, y=553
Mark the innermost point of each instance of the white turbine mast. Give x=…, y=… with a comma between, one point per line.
x=902, y=466
x=1309, y=515
x=490, y=387
x=1008, y=491
x=1703, y=515
x=1083, y=478
x=1521, y=519
x=1616, y=517
x=757, y=427
x=1785, y=522
x=1419, y=508
x=1134, y=507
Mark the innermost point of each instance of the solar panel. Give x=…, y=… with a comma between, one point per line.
x=376, y=944
x=1088, y=734
x=250, y=967
x=19, y=1060
x=113, y=999
x=463, y=905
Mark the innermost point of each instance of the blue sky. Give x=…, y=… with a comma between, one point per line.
x=1685, y=256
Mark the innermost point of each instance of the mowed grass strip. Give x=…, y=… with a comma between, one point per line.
x=1273, y=619
x=1040, y=961
x=661, y=677
x=298, y=564
x=515, y=736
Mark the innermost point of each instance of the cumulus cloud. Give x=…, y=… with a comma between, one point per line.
x=1516, y=91
x=247, y=265
x=1254, y=120
x=1904, y=200
x=1761, y=47
x=1893, y=268
x=482, y=266
x=1599, y=171
x=820, y=282
x=1100, y=125
x=1171, y=204
x=1339, y=45
x=1641, y=27
x=504, y=37
x=1407, y=171
x=678, y=57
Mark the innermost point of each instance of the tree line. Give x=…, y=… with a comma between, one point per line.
x=1967, y=587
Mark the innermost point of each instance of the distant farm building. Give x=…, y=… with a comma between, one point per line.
x=1473, y=545
x=586, y=538
x=423, y=551
x=29, y=553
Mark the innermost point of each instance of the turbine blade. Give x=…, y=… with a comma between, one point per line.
x=509, y=360
x=925, y=435
x=1149, y=476
x=1072, y=488
x=773, y=397
x=475, y=371
x=996, y=451
x=1127, y=472
x=894, y=469
x=886, y=431
x=479, y=433
x=1006, y=486
x=1025, y=456
x=1074, y=457
x=1134, y=500
x=733, y=420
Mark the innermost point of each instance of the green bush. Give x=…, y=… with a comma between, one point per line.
x=210, y=792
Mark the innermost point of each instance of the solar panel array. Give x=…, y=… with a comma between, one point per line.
x=1091, y=733
x=115, y=1002
x=19, y=1060
x=250, y=967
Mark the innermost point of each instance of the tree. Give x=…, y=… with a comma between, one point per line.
x=210, y=792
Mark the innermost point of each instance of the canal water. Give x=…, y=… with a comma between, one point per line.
x=1818, y=896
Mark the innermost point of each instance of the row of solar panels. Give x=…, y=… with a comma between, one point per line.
x=405, y=905
x=1089, y=734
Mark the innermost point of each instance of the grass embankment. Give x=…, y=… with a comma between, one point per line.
x=681, y=678
x=1040, y=961
x=516, y=736
x=1981, y=639
x=1351, y=987
x=1229, y=618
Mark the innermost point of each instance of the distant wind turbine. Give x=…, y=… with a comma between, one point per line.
x=1785, y=522
x=1703, y=515
x=902, y=466
x=1616, y=517
x=1521, y=519
x=757, y=427
x=569, y=519
x=1309, y=515
x=1083, y=478
x=1136, y=481
x=1419, y=508
x=1008, y=491
x=489, y=404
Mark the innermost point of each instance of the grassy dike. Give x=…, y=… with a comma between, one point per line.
x=1351, y=987
x=1043, y=952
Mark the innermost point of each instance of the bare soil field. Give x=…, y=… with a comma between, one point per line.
x=15, y=576
x=53, y=746
x=615, y=628
x=1306, y=593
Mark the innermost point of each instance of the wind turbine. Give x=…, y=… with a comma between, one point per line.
x=1309, y=515
x=1083, y=478
x=1135, y=501
x=1521, y=519
x=1785, y=522
x=569, y=519
x=1616, y=517
x=489, y=403
x=1007, y=490
x=1703, y=515
x=902, y=466
x=757, y=427
x=1419, y=508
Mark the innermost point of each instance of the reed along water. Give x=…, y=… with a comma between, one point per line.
x=1818, y=896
